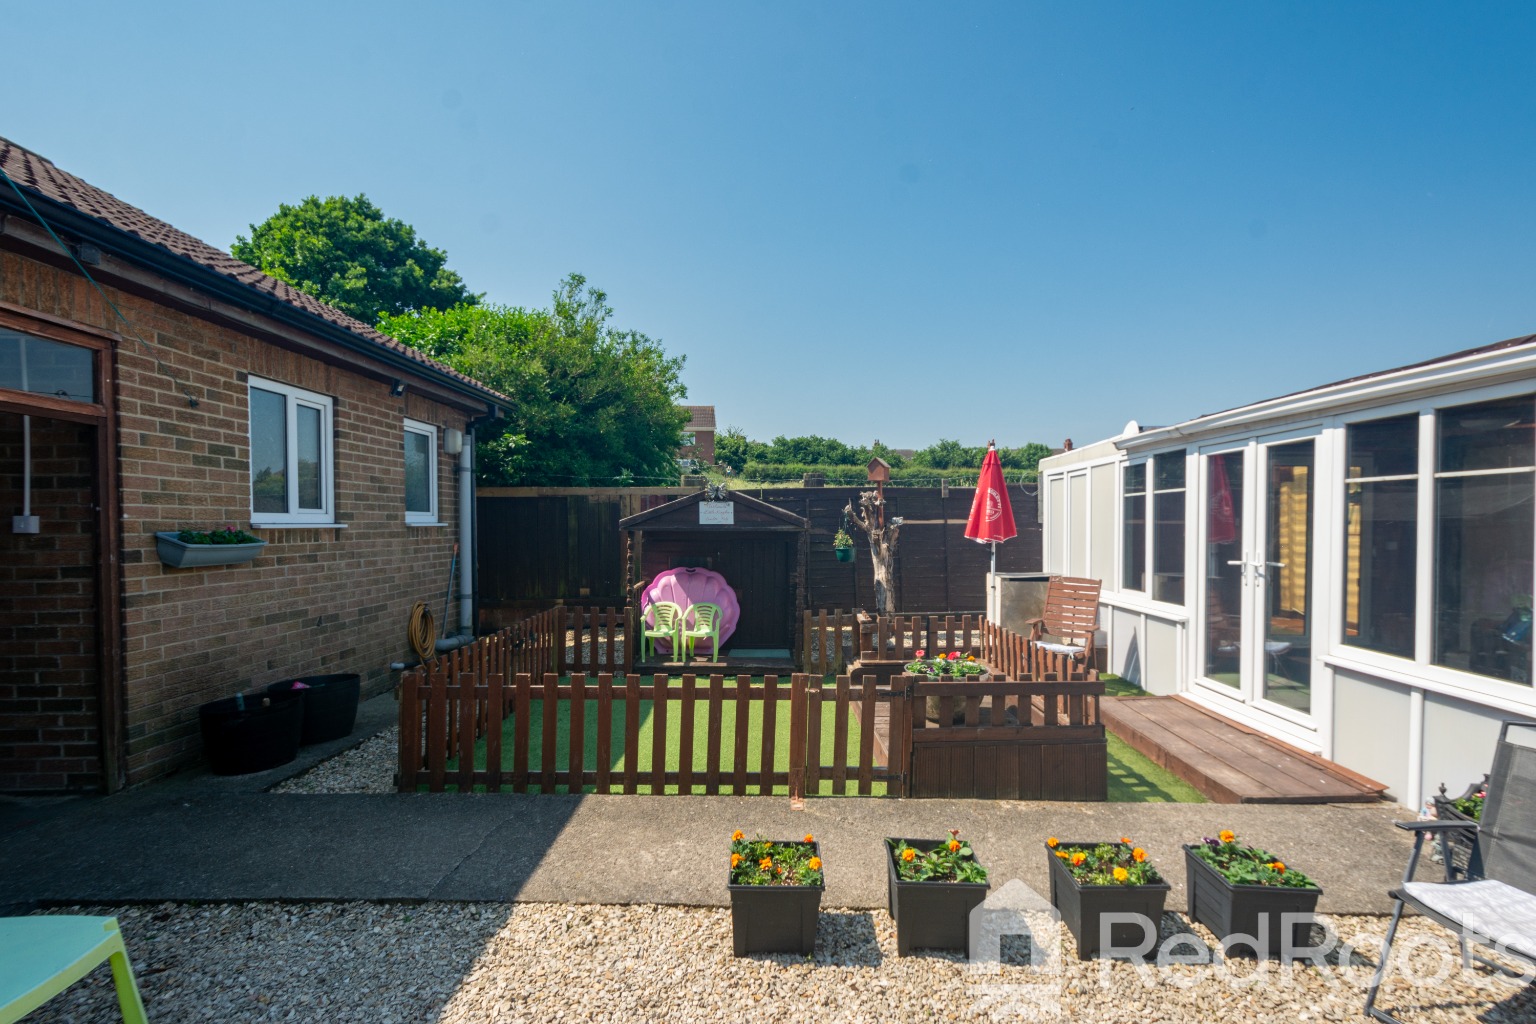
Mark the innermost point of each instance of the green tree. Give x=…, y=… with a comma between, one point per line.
x=344, y=252
x=592, y=405
x=732, y=448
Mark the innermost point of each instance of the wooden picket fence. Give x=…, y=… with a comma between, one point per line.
x=593, y=640
x=610, y=708
x=900, y=637
x=828, y=641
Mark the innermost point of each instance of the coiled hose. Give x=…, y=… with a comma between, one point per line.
x=422, y=631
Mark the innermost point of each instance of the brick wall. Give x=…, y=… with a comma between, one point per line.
x=318, y=599
x=49, y=720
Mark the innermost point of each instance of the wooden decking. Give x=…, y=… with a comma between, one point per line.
x=1227, y=762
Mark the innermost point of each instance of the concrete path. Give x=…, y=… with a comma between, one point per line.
x=207, y=838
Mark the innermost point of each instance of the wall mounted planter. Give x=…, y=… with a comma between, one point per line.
x=775, y=918
x=929, y=915
x=178, y=554
x=1231, y=910
x=252, y=733
x=1082, y=907
x=330, y=704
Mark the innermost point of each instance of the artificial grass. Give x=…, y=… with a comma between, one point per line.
x=1136, y=779
x=673, y=757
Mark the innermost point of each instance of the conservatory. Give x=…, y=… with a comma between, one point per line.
x=1348, y=569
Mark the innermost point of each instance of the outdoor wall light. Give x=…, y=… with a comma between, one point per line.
x=397, y=388
x=453, y=441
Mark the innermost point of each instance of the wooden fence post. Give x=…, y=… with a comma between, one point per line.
x=558, y=661
x=797, y=745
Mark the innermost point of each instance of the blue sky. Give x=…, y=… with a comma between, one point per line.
x=892, y=221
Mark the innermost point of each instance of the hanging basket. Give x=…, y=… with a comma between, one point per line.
x=843, y=554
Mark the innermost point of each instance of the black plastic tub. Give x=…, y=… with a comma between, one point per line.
x=929, y=915
x=1241, y=915
x=261, y=735
x=1083, y=907
x=775, y=918
x=330, y=704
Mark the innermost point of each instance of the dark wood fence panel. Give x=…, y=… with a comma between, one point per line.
x=541, y=546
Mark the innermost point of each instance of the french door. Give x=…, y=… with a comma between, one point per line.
x=1258, y=534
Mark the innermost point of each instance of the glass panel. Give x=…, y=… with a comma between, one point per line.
x=1384, y=447
x=1168, y=471
x=309, y=458
x=1288, y=577
x=1133, y=543
x=46, y=367
x=1224, y=583
x=1492, y=435
x=1483, y=567
x=269, y=451
x=1381, y=559
x=418, y=468
x=1168, y=547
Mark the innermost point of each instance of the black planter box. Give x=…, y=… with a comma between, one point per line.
x=1081, y=907
x=930, y=915
x=1231, y=910
x=330, y=704
x=775, y=918
x=263, y=735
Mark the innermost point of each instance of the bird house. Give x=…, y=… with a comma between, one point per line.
x=879, y=471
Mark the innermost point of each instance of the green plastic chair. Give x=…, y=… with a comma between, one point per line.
x=42, y=956
x=706, y=624
x=668, y=619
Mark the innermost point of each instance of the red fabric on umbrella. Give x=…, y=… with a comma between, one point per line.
x=991, y=512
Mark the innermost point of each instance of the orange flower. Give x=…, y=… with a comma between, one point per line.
x=1126, y=840
x=1062, y=854
x=909, y=855
x=735, y=859
x=814, y=863
x=1138, y=855
x=765, y=864
x=738, y=836
x=1226, y=835
x=954, y=844
x=1078, y=858
x=1051, y=842
x=810, y=838
x=1278, y=867
x=1121, y=874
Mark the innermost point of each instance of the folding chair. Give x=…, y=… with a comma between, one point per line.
x=1494, y=905
x=1071, y=615
x=42, y=956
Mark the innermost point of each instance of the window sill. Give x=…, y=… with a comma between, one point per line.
x=428, y=525
x=298, y=526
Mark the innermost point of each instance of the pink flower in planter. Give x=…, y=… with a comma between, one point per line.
x=954, y=655
x=920, y=654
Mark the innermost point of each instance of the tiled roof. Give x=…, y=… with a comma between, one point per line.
x=39, y=175
x=702, y=417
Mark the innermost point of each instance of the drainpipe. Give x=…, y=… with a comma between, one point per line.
x=466, y=470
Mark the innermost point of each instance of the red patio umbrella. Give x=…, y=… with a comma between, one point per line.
x=991, y=513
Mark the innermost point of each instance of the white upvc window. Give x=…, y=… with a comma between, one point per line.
x=292, y=476
x=420, y=473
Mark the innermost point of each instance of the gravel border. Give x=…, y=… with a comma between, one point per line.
x=483, y=962
x=368, y=767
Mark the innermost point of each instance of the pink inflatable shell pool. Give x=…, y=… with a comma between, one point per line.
x=689, y=586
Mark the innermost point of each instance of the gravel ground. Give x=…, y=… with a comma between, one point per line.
x=460, y=963
x=366, y=768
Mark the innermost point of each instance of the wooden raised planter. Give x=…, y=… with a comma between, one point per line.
x=1251, y=911
x=1082, y=907
x=775, y=918
x=178, y=554
x=930, y=915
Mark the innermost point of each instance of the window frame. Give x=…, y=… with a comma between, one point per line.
x=293, y=399
x=1149, y=494
x=430, y=431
